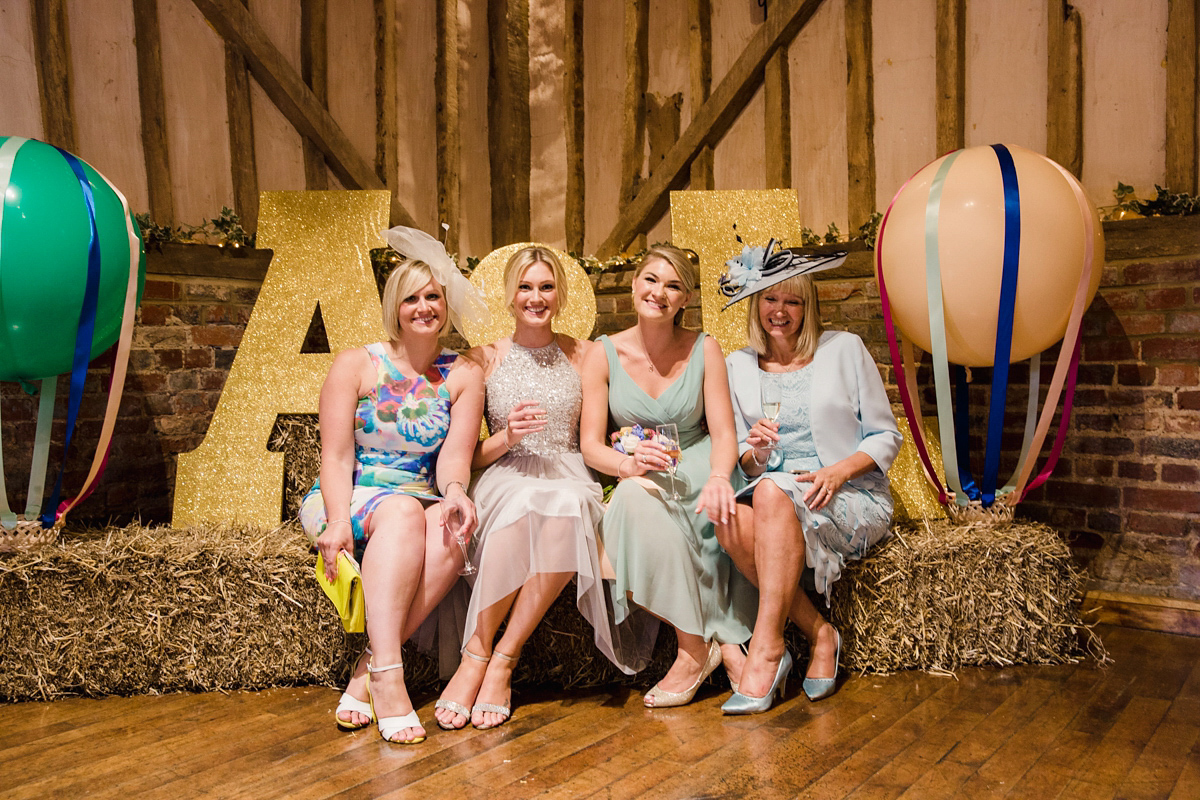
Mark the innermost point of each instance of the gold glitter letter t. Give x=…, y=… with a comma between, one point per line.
x=322, y=243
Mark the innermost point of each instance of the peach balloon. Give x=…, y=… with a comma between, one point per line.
x=969, y=223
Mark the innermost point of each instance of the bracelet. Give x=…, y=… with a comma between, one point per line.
x=620, y=466
x=712, y=475
x=451, y=483
x=507, y=444
x=336, y=521
x=754, y=458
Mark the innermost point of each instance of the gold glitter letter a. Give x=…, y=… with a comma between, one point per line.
x=703, y=221
x=322, y=243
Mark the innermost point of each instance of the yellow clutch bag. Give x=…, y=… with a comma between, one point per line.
x=345, y=592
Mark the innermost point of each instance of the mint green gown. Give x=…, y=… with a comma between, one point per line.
x=661, y=550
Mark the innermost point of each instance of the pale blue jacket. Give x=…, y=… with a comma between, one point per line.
x=850, y=410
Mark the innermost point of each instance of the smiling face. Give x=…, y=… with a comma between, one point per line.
x=535, y=302
x=658, y=291
x=423, y=312
x=781, y=314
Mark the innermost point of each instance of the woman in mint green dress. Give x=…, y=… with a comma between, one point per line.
x=664, y=552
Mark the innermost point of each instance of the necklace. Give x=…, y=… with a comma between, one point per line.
x=645, y=350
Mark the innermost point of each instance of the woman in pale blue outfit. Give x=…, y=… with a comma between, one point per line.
x=818, y=490
x=664, y=552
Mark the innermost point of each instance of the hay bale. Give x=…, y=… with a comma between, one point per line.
x=133, y=610
x=942, y=596
x=136, y=610
x=145, y=610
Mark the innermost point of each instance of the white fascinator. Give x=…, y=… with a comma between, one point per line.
x=462, y=299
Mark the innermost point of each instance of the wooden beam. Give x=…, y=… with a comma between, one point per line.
x=573, y=100
x=1064, y=97
x=508, y=119
x=951, y=75
x=860, y=113
x=314, y=70
x=387, y=164
x=296, y=101
x=52, y=47
x=633, y=116
x=700, y=67
x=711, y=122
x=148, y=46
x=446, y=121
x=1183, y=146
x=1146, y=612
x=777, y=97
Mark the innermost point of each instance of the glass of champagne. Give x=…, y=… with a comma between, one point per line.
x=668, y=437
x=771, y=394
x=467, y=568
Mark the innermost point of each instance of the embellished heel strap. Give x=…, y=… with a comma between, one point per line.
x=481, y=659
x=504, y=657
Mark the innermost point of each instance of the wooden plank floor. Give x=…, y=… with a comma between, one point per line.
x=1129, y=731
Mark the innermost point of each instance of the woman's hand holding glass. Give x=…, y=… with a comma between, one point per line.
x=526, y=417
x=648, y=456
x=764, y=438
x=337, y=536
x=459, y=520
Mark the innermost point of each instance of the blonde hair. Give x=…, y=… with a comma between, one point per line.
x=406, y=280
x=525, y=258
x=688, y=272
x=811, y=327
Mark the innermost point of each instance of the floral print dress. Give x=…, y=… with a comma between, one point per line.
x=399, y=427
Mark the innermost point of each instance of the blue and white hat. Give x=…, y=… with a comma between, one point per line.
x=759, y=268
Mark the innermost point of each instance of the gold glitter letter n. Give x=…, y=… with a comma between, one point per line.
x=322, y=243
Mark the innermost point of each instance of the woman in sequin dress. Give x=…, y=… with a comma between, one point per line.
x=538, y=504
x=392, y=415
x=663, y=550
x=821, y=496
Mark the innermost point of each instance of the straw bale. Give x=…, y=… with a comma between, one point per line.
x=132, y=610
x=136, y=610
x=941, y=596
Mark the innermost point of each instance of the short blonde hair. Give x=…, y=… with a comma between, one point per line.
x=406, y=280
x=525, y=258
x=811, y=327
x=685, y=268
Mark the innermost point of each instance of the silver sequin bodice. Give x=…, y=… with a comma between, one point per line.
x=543, y=374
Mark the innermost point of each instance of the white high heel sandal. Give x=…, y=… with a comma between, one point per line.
x=390, y=726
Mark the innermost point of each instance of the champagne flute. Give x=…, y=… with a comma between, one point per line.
x=771, y=394
x=467, y=568
x=668, y=437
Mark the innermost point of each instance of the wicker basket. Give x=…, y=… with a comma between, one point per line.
x=28, y=535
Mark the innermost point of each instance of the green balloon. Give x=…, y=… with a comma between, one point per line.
x=44, y=263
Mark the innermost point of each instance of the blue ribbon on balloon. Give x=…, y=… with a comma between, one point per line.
x=986, y=492
x=83, y=335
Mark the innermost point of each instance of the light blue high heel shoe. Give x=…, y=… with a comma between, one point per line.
x=744, y=704
x=820, y=688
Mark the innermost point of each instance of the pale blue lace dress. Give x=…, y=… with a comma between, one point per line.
x=858, y=515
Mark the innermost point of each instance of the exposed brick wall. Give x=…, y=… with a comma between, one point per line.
x=186, y=335
x=1126, y=492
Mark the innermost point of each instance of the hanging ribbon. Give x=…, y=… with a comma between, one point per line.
x=954, y=460
x=1004, y=322
x=1066, y=369
x=120, y=361
x=83, y=335
x=903, y=368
